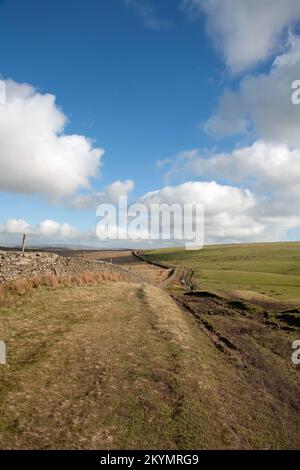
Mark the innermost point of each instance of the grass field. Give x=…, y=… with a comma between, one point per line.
x=122, y=366
x=272, y=269
x=96, y=363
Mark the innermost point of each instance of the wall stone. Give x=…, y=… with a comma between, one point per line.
x=17, y=265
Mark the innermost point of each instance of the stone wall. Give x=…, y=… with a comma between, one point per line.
x=17, y=265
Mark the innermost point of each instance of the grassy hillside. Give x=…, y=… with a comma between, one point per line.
x=272, y=269
x=122, y=366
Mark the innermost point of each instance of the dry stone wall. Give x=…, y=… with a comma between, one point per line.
x=17, y=265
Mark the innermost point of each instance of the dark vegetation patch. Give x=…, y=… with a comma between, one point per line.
x=292, y=310
x=203, y=294
x=290, y=319
x=239, y=304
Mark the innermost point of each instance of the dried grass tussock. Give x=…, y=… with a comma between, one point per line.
x=26, y=285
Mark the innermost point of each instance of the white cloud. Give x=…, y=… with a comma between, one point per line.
x=246, y=31
x=15, y=226
x=232, y=214
x=258, y=196
x=148, y=15
x=51, y=228
x=47, y=228
x=263, y=103
x=215, y=197
x=270, y=167
x=110, y=194
x=229, y=211
x=271, y=172
x=35, y=155
x=264, y=166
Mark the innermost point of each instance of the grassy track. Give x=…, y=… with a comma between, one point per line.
x=121, y=366
x=272, y=269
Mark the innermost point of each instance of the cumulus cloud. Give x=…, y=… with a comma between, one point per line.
x=229, y=211
x=53, y=233
x=263, y=103
x=270, y=171
x=47, y=228
x=246, y=31
x=261, y=109
x=49, y=233
x=232, y=214
x=215, y=197
x=36, y=156
x=110, y=194
x=262, y=165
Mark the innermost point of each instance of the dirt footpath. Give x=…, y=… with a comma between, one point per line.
x=120, y=366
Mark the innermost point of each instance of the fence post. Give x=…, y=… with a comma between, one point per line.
x=23, y=242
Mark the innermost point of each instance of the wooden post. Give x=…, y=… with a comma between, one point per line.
x=23, y=242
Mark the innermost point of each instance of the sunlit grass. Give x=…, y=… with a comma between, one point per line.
x=268, y=268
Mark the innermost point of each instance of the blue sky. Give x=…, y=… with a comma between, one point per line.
x=138, y=78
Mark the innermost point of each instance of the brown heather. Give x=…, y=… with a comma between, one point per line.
x=23, y=286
